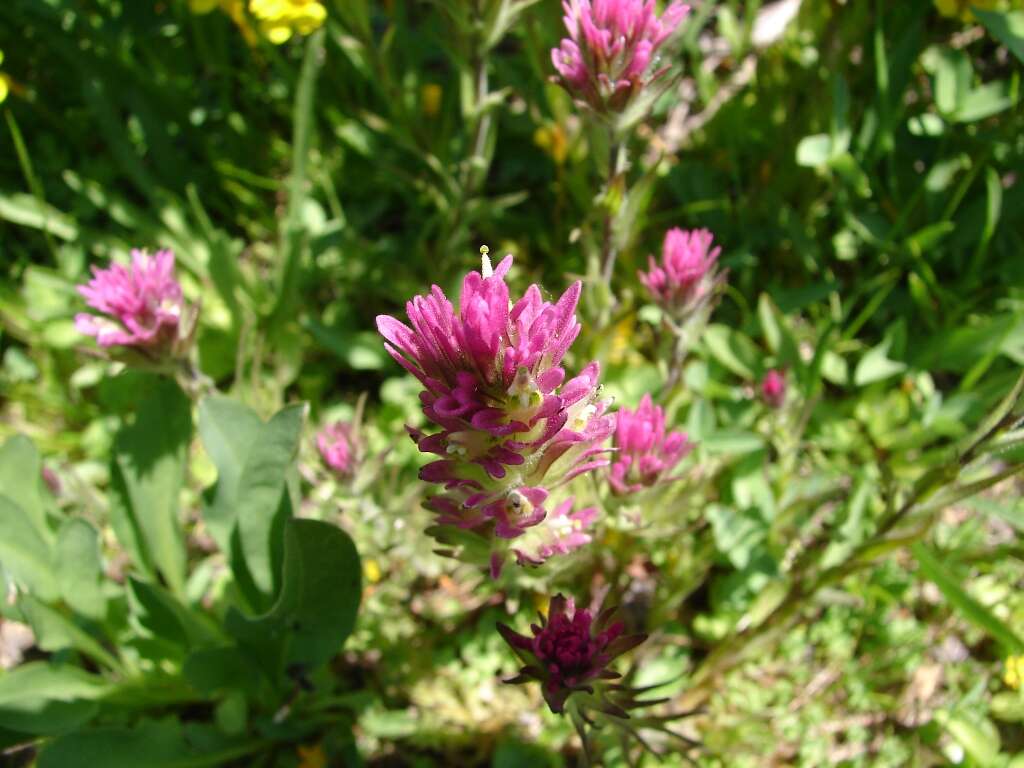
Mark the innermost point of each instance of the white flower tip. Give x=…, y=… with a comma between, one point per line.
x=485, y=262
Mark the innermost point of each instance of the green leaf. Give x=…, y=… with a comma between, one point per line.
x=732, y=349
x=249, y=503
x=229, y=430
x=926, y=124
x=738, y=533
x=162, y=616
x=55, y=631
x=151, y=455
x=124, y=523
x=80, y=569
x=978, y=737
x=519, y=754
x=316, y=609
x=984, y=101
x=769, y=323
x=876, y=365
x=993, y=206
x=24, y=554
x=21, y=481
x=953, y=75
x=163, y=744
x=43, y=699
x=731, y=442
x=262, y=504
x=971, y=610
x=29, y=211
x=214, y=669
x=1007, y=28
x=814, y=151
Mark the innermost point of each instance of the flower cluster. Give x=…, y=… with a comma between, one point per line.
x=645, y=451
x=773, y=388
x=340, y=448
x=141, y=305
x=280, y=19
x=570, y=651
x=686, y=278
x=511, y=428
x=610, y=54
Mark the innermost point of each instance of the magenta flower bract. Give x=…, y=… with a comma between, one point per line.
x=570, y=651
x=339, y=447
x=141, y=304
x=773, y=388
x=611, y=52
x=686, y=275
x=646, y=453
x=511, y=428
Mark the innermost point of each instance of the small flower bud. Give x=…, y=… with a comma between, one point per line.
x=340, y=448
x=773, y=388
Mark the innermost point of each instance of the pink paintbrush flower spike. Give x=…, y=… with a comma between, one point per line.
x=569, y=651
x=773, y=388
x=140, y=304
x=340, y=448
x=645, y=451
x=511, y=428
x=685, y=277
x=611, y=53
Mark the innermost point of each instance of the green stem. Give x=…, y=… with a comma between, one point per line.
x=609, y=249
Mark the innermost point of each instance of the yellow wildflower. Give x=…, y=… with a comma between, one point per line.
x=1013, y=675
x=3, y=81
x=280, y=19
x=312, y=757
x=961, y=9
x=430, y=99
x=371, y=570
x=552, y=139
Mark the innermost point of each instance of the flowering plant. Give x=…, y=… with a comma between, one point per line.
x=511, y=429
x=645, y=451
x=141, y=307
x=570, y=651
x=611, y=55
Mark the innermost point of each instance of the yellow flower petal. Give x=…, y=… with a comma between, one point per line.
x=1013, y=675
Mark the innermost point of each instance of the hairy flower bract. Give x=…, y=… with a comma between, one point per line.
x=340, y=448
x=140, y=304
x=569, y=651
x=685, y=277
x=511, y=429
x=611, y=52
x=645, y=451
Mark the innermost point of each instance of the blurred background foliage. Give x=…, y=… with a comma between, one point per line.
x=859, y=163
